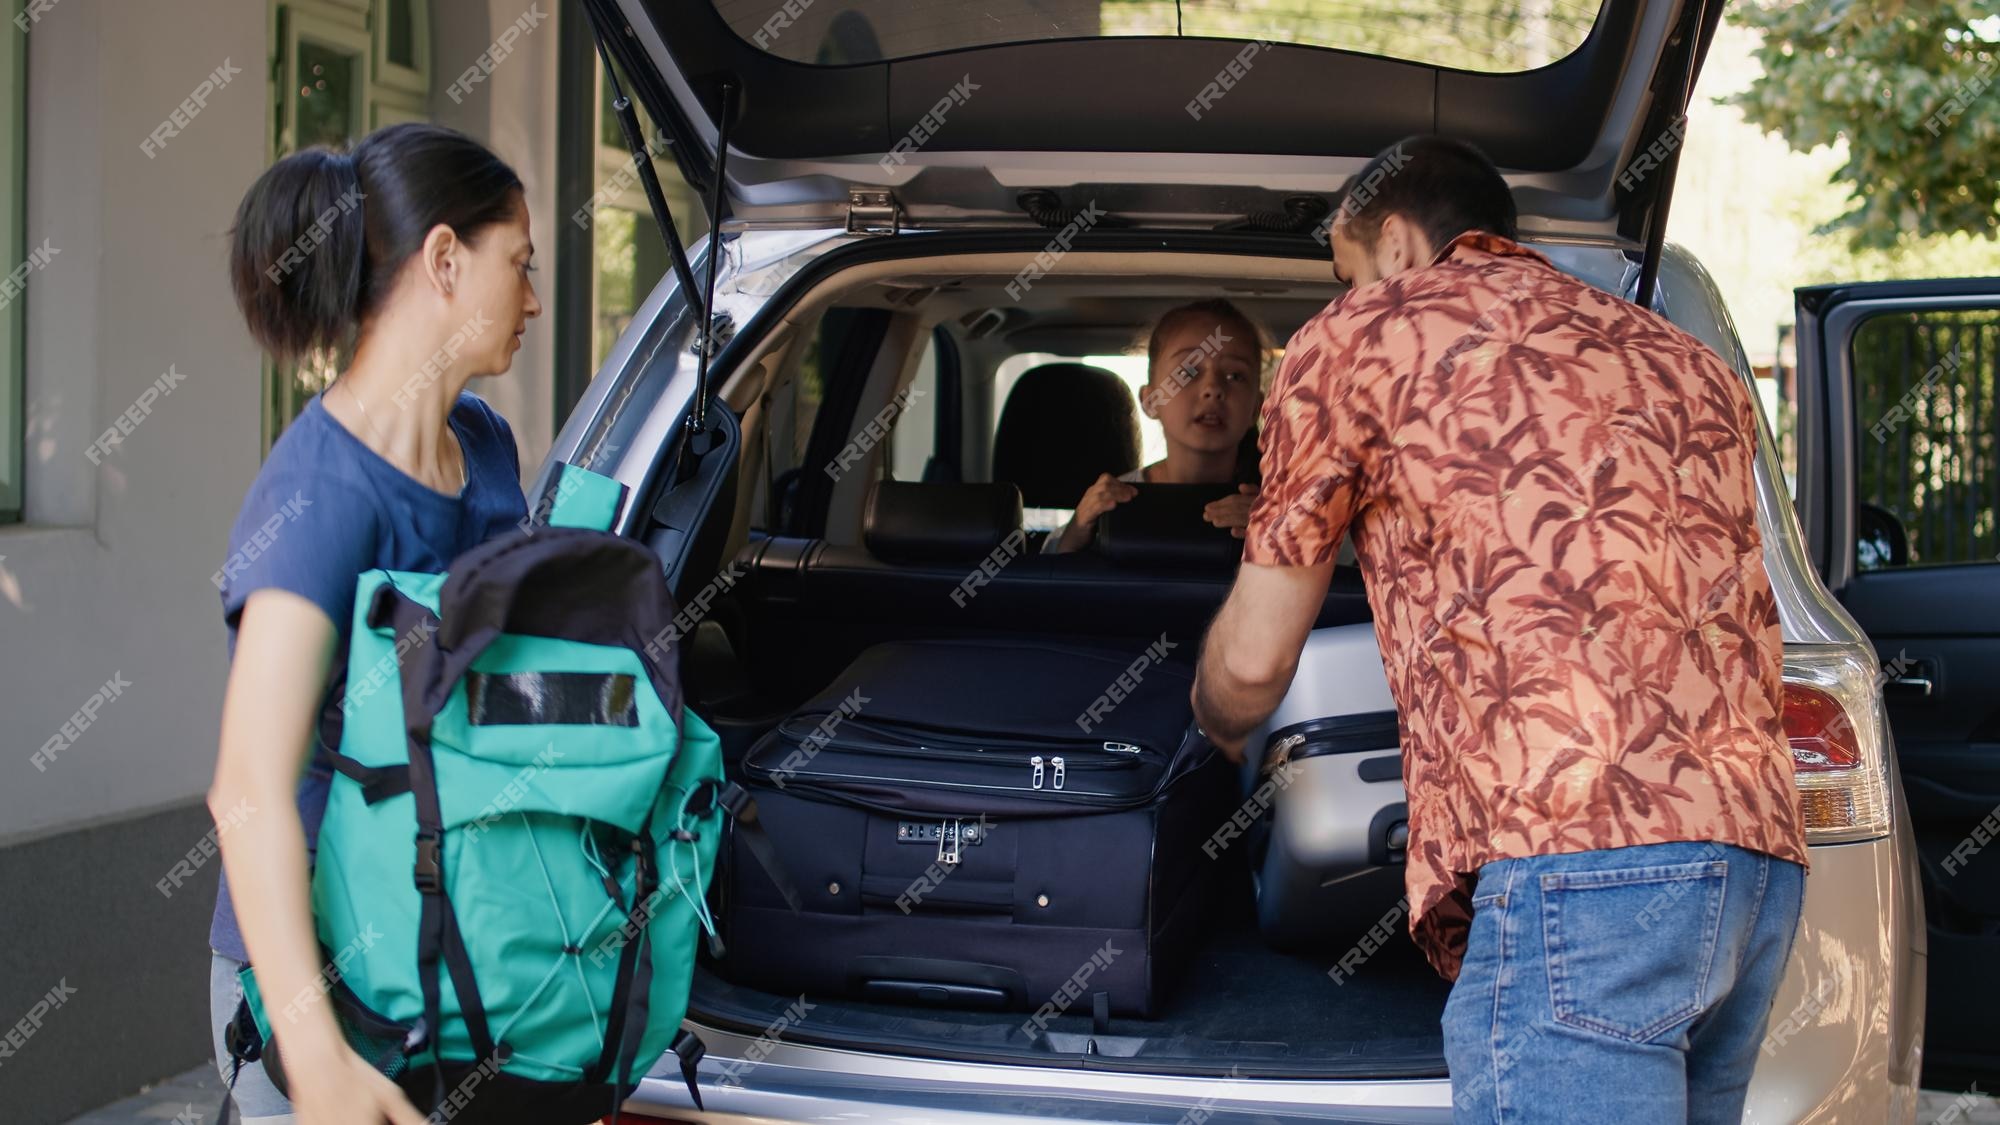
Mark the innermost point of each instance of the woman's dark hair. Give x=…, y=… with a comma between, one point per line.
x=321, y=235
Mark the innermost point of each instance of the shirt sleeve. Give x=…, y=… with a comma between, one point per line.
x=311, y=535
x=1313, y=481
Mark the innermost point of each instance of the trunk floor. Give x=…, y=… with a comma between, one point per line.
x=1236, y=999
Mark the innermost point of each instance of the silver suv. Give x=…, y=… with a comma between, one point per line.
x=920, y=202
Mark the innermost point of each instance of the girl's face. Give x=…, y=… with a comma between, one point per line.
x=497, y=287
x=1204, y=387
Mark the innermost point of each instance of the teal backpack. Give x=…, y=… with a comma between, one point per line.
x=512, y=869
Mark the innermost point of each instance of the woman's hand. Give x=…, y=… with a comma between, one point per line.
x=1232, y=512
x=1107, y=493
x=340, y=1088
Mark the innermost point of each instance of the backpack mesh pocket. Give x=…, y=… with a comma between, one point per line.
x=383, y=1043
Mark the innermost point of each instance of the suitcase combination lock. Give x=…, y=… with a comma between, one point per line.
x=949, y=835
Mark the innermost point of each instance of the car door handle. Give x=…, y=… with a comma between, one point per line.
x=1913, y=680
x=1909, y=687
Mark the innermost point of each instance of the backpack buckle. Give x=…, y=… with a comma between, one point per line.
x=733, y=798
x=429, y=876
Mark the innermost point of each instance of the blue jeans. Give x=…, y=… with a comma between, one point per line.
x=257, y=1101
x=1627, y=984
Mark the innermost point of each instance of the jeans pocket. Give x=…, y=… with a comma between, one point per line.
x=1629, y=949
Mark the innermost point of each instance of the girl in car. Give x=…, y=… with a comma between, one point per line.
x=1204, y=366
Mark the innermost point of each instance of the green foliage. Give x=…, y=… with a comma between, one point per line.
x=1913, y=89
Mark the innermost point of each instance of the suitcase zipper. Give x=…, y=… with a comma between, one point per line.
x=1055, y=764
x=1046, y=773
x=950, y=740
x=1116, y=754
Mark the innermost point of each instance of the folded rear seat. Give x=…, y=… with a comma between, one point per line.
x=950, y=560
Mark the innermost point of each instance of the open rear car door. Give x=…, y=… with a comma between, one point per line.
x=887, y=115
x=1899, y=480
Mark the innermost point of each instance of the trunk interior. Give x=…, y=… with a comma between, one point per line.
x=815, y=582
x=1233, y=1000
x=1236, y=1003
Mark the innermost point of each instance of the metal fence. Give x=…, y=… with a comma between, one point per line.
x=1929, y=441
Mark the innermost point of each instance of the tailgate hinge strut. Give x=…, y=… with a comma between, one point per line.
x=1676, y=96
x=700, y=300
x=642, y=163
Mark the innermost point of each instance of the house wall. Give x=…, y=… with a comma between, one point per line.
x=107, y=578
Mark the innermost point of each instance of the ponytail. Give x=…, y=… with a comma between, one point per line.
x=297, y=255
x=321, y=235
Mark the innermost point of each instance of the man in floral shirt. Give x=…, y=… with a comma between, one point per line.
x=1551, y=497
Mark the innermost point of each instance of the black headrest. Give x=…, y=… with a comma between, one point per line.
x=1063, y=425
x=1161, y=526
x=912, y=522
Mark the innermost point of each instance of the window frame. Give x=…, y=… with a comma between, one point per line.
x=13, y=247
x=303, y=25
x=1902, y=433
x=412, y=80
x=384, y=94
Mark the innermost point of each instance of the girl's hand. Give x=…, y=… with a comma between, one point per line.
x=1107, y=493
x=1232, y=512
x=345, y=1090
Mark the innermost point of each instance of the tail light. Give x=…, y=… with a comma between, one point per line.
x=1833, y=718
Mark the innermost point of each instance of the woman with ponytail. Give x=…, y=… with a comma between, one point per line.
x=412, y=251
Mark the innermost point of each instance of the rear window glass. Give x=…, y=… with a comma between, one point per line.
x=1495, y=36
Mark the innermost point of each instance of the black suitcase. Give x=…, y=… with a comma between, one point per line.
x=958, y=837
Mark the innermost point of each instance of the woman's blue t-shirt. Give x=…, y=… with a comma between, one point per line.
x=326, y=507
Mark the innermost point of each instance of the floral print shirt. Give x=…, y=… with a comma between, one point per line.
x=1551, y=496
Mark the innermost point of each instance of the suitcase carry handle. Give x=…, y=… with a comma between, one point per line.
x=936, y=980
x=956, y=895
x=932, y=992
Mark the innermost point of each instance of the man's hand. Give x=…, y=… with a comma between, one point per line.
x=1232, y=512
x=1252, y=649
x=1231, y=748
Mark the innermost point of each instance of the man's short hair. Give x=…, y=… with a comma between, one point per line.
x=1445, y=186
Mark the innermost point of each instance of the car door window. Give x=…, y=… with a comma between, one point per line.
x=1928, y=447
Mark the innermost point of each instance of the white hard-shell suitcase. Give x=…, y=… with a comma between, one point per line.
x=1329, y=767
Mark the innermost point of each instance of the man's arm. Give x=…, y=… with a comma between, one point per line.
x=1312, y=490
x=1253, y=647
